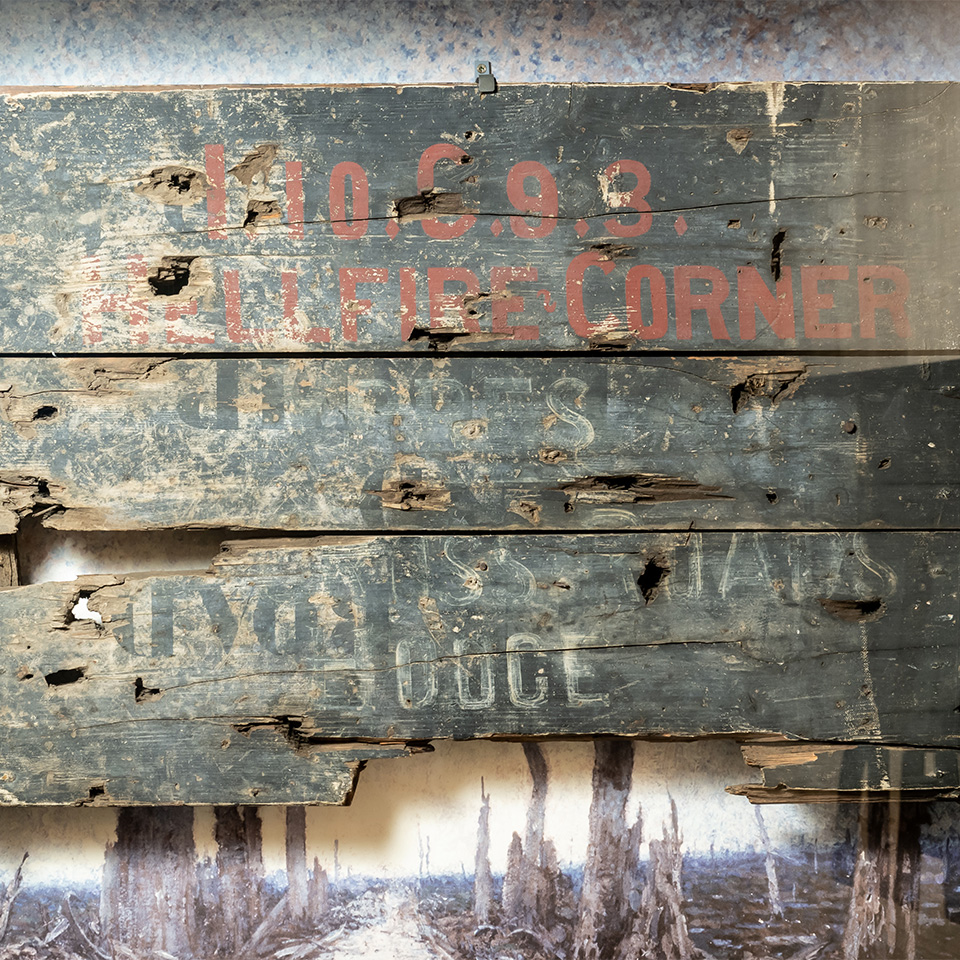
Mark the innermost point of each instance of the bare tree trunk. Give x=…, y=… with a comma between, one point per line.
x=318, y=893
x=611, y=871
x=537, y=808
x=773, y=885
x=511, y=898
x=522, y=881
x=297, y=879
x=556, y=908
x=482, y=875
x=149, y=881
x=660, y=929
x=9, y=895
x=253, y=840
x=883, y=914
x=234, y=907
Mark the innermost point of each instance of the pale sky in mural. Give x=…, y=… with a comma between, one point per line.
x=428, y=804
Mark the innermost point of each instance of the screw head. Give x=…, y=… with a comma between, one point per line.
x=481, y=68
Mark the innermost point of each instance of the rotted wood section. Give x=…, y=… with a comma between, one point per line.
x=571, y=411
x=271, y=678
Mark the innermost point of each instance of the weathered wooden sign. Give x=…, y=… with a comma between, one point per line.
x=756, y=216
x=260, y=679
x=749, y=531
x=493, y=443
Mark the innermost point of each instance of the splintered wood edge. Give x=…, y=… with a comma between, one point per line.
x=759, y=794
x=783, y=762
x=692, y=88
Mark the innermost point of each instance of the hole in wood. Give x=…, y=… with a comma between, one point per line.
x=60, y=678
x=174, y=185
x=45, y=413
x=854, y=611
x=776, y=253
x=426, y=205
x=262, y=212
x=652, y=579
x=143, y=693
x=81, y=611
x=170, y=276
x=770, y=388
x=45, y=554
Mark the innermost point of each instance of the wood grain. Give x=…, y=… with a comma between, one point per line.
x=553, y=217
x=419, y=444
x=749, y=531
x=270, y=678
x=832, y=772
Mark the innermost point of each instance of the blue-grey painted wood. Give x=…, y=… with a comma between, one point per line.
x=202, y=255
x=415, y=444
x=321, y=645
x=556, y=217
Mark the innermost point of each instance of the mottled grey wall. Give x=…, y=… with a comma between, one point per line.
x=422, y=41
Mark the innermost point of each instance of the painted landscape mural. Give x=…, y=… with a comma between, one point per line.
x=606, y=851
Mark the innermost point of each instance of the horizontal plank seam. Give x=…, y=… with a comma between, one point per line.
x=598, y=353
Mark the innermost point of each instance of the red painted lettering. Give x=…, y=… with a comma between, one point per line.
x=350, y=306
x=441, y=302
x=236, y=331
x=292, y=321
x=545, y=203
x=136, y=309
x=95, y=303
x=174, y=312
x=659, y=313
x=686, y=301
x=753, y=294
x=815, y=300
x=502, y=306
x=294, y=172
x=629, y=199
x=356, y=227
x=433, y=227
x=217, y=191
x=892, y=300
x=408, y=302
x=576, y=314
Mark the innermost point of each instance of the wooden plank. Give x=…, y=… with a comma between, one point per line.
x=481, y=443
x=542, y=217
x=832, y=772
x=326, y=644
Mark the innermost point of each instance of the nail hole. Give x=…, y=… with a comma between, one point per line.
x=142, y=693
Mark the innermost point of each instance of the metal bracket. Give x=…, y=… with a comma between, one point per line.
x=486, y=81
